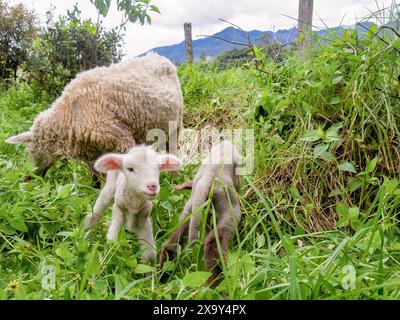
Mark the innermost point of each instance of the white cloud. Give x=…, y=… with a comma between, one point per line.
x=167, y=28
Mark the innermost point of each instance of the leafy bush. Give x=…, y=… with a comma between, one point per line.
x=17, y=30
x=68, y=46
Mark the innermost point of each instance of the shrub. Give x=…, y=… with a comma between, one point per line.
x=68, y=46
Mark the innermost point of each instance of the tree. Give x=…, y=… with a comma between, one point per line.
x=68, y=46
x=133, y=10
x=17, y=31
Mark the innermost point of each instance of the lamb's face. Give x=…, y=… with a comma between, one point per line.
x=142, y=172
x=141, y=168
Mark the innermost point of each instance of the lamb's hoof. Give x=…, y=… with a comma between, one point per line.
x=149, y=257
x=168, y=253
x=90, y=221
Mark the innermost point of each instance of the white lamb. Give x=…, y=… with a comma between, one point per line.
x=133, y=181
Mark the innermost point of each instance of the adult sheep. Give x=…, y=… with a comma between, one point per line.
x=106, y=109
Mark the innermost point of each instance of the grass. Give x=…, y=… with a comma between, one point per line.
x=319, y=216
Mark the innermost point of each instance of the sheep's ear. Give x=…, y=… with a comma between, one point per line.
x=110, y=161
x=20, y=138
x=169, y=162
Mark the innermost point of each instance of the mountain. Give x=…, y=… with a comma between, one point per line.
x=211, y=47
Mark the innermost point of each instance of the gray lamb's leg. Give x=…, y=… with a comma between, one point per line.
x=200, y=193
x=171, y=246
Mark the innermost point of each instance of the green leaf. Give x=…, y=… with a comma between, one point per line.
x=168, y=266
x=337, y=79
x=144, y=268
x=342, y=222
x=390, y=185
x=331, y=134
x=102, y=6
x=155, y=9
x=395, y=246
x=64, y=191
x=19, y=224
x=93, y=265
x=320, y=149
x=313, y=84
x=371, y=165
x=341, y=209
x=354, y=185
x=247, y=262
x=196, y=279
x=295, y=193
x=312, y=135
x=347, y=166
x=334, y=100
x=335, y=192
x=64, y=253
x=353, y=213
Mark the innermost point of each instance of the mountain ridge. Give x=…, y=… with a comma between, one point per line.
x=212, y=47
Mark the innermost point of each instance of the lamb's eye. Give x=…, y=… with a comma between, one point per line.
x=131, y=169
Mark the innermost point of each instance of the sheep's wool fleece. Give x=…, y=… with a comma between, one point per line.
x=110, y=108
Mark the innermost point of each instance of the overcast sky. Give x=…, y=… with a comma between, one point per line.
x=167, y=28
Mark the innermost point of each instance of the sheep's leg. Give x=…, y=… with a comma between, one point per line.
x=144, y=231
x=116, y=223
x=200, y=195
x=103, y=201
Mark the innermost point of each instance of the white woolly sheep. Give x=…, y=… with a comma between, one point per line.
x=217, y=176
x=106, y=109
x=133, y=181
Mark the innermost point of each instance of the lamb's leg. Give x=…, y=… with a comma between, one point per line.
x=144, y=231
x=225, y=230
x=170, y=248
x=116, y=223
x=200, y=193
x=103, y=201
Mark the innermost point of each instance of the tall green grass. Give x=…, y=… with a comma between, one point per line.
x=320, y=210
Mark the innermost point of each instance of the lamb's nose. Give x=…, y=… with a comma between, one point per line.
x=152, y=187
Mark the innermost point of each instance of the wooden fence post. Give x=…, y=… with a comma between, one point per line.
x=188, y=42
x=305, y=23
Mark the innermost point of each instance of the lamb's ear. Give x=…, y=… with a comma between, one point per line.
x=169, y=162
x=110, y=161
x=20, y=138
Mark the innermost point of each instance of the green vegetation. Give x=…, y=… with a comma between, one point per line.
x=319, y=211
